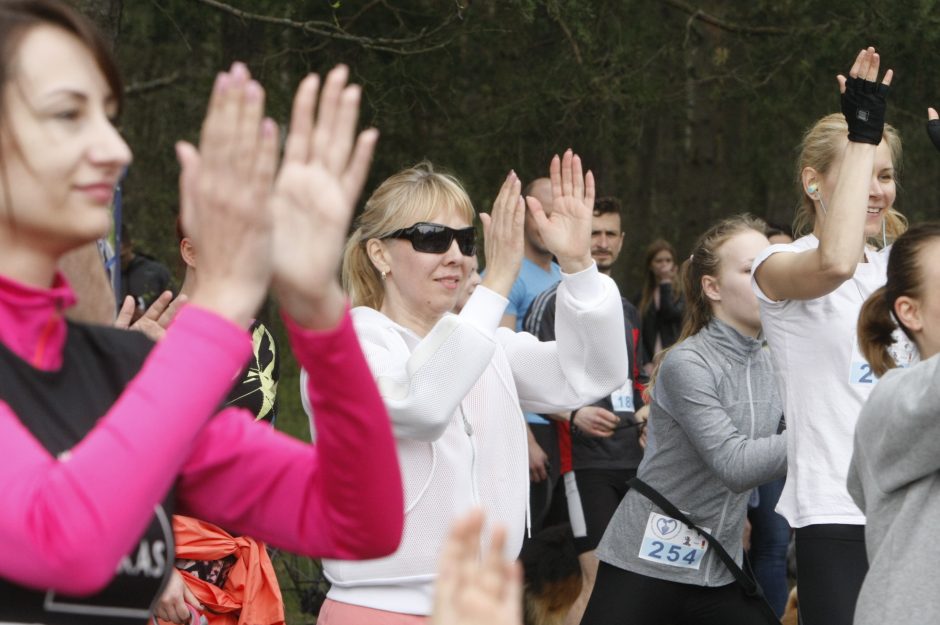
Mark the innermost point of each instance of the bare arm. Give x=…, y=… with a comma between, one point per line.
x=841, y=213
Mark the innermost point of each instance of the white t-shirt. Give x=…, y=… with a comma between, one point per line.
x=824, y=380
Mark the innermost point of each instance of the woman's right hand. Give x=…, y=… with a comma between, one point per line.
x=224, y=188
x=503, y=236
x=173, y=604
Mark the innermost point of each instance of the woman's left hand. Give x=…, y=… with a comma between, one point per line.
x=322, y=174
x=567, y=231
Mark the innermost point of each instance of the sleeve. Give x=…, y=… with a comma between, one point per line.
x=422, y=387
x=670, y=307
x=764, y=255
x=901, y=431
x=587, y=360
x=687, y=391
x=320, y=500
x=66, y=523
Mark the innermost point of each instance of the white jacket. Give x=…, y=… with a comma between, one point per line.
x=454, y=399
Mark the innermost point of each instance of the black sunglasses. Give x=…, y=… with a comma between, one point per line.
x=436, y=239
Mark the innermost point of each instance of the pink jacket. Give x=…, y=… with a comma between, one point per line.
x=66, y=523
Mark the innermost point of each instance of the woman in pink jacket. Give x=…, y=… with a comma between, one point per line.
x=103, y=435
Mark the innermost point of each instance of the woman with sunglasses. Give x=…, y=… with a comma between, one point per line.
x=453, y=384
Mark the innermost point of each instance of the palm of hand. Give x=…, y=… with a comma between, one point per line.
x=568, y=226
x=308, y=203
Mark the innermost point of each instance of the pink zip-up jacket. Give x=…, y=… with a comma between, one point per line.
x=66, y=523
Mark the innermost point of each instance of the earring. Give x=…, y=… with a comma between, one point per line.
x=384, y=273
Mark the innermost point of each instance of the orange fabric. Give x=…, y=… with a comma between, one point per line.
x=251, y=595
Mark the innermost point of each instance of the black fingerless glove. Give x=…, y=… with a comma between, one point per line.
x=863, y=104
x=933, y=131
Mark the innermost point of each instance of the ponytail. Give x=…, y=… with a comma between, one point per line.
x=875, y=332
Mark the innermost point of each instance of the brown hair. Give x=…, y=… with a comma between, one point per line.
x=877, y=321
x=705, y=261
x=412, y=195
x=18, y=17
x=650, y=283
x=820, y=148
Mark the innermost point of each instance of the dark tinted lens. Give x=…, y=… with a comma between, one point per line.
x=466, y=241
x=431, y=238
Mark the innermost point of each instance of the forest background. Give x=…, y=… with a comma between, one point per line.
x=686, y=110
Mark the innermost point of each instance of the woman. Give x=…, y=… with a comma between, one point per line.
x=453, y=384
x=894, y=472
x=104, y=434
x=811, y=292
x=713, y=427
x=659, y=305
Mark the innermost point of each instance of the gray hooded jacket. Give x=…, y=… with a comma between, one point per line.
x=713, y=437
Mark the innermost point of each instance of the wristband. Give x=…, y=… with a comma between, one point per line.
x=571, y=417
x=933, y=131
x=864, y=104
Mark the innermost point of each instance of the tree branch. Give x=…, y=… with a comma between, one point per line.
x=142, y=87
x=724, y=24
x=335, y=31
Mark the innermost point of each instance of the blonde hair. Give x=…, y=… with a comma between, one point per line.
x=820, y=148
x=704, y=261
x=412, y=195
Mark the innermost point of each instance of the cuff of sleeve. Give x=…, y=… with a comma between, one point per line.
x=312, y=346
x=484, y=310
x=587, y=286
x=199, y=325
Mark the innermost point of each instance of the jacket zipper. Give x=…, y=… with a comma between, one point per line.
x=468, y=430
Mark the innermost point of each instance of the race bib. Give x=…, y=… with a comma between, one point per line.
x=860, y=372
x=622, y=398
x=673, y=543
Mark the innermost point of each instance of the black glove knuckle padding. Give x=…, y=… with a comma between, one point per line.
x=864, y=104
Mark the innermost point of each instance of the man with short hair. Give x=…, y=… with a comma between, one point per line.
x=600, y=449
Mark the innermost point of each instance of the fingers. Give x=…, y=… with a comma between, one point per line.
x=344, y=129
x=126, y=314
x=189, y=162
x=860, y=67
x=889, y=76
x=589, y=191
x=191, y=599
x=248, y=133
x=159, y=306
x=170, y=313
x=297, y=148
x=222, y=119
x=323, y=130
x=577, y=177
x=487, y=224
x=841, y=80
x=932, y=113
x=490, y=578
x=357, y=171
x=265, y=165
x=567, y=185
x=554, y=174
x=537, y=212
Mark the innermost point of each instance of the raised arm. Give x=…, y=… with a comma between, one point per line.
x=589, y=358
x=840, y=196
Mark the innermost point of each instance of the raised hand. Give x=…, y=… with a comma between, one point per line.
x=864, y=101
x=155, y=319
x=321, y=176
x=224, y=188
x=567, y=231
x=503, y=236
x=475, y=591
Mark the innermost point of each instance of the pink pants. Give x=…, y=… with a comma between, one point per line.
x=338, y=613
